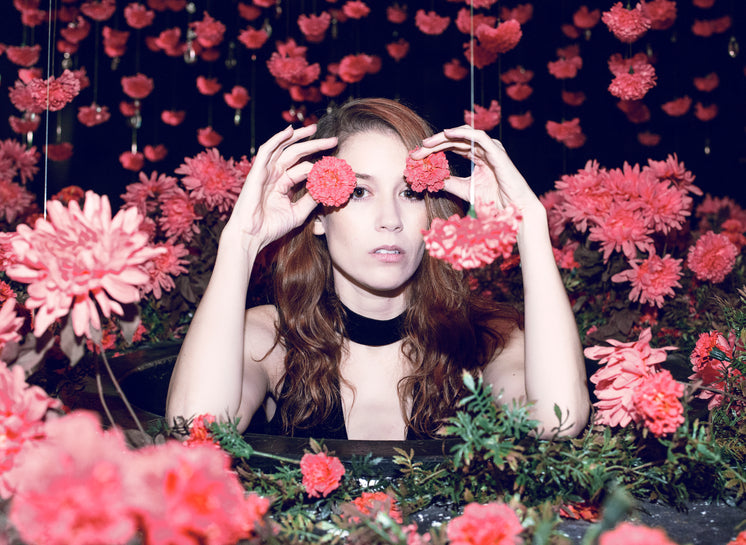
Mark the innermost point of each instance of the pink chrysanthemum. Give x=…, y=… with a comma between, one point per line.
x=624, y=367
x=211, y=180
x=712, y=257
x=83, y=259
x=9, y=322
x=469, y=242
x=15, y=158
x=429, y=173
x=657, y=404
x=494, y=523
x=711, y=362
x=163, y=267
x=145, y=194
x=322, y=474
x=14, y=200
x=627, y=533
x=652, y=279
x=622, y=229
x=178, y=218
x=331, y=181
x=673, y=172
x=584, y=196
x=626, y=24
x=635, y=84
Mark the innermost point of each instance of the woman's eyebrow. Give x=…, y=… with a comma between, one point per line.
x=362, y=176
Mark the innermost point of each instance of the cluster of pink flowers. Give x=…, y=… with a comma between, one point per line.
x=627, y=24
x=322, y=474
x=627, y=367
x=331, y=181
x=469, y=242
x=37, y=95
x=429, y=173
x=108, y=494
x=81, y=259
x=289, y=65
x=633, y=78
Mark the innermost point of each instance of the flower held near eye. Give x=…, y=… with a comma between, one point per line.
x=429, y=173
x=331, y=181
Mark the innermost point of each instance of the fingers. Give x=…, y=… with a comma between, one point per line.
x=303, y=207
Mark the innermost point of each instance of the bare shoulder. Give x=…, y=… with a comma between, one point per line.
x=506, y=371
x=260, y=339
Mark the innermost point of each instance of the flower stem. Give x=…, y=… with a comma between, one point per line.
x=100, y=389
x=119, y=389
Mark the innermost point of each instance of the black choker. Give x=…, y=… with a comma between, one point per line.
x=370, y=332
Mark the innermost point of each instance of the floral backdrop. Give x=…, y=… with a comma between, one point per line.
x=646, y=233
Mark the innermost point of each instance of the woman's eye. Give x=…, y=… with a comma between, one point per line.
x=410, y=193
x=359, y=192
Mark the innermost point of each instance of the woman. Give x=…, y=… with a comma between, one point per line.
x=370, y=336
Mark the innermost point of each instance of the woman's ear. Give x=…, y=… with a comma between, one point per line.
x=318, y=226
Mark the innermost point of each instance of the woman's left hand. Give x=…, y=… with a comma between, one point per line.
x=496, y=179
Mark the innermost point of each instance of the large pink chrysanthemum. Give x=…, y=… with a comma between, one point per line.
x=469, y=242
x=652, y=279
x=331, y=181
x=493, y=523
x=674, y=172
x=626, y=24
x=164, y=267
x=622, y=229
x=657, y=404
x=145, y=194
x=712, y=257
x=211, y=180
x=83, y=259
x=624, y=367
x=584, y=197
x=429, y=173
x=178, y=218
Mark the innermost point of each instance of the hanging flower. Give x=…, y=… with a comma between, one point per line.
x=429, y=173
x=173, y=117
x=253, y=38
x=24, y=55
x=132, y=160
x=178, y=218
x=712, y=257
x=208, y=86
x=22, y=125
x=573, y=98
x=208, y=137
x=168, y=41
x=155, y=153
x=627, y=533
x=522, y=13
x=17, y=159
x=484, y=119
x=331, y=181
x=568, y=133
x=519, y=91
x=465, y=22
x=115, y=41
x=703, y=4
x=494, y=523
x=478, y=55
x=80, y=262
x=635, y=83
x=209, y=31
x=398, y=50
x=454, y=70
x=521, y=121
x=711, y=361
x=164, y=267
x=705, y=113
x=289, y=65
x=322, y=474
x=76, y=31
x=625, y=367
x=662, y=13
x=93, y=115
x=332, y=87
x=138, y=16
x=626, y=24
x=69, y=193
x=430, y=22
x=396, y=14
x=100, y=10
x=585, y=19
x=14, y=200
x=314, y=27
x=565, y=68
x=238, y=98
x=353, y=68
x=138, y=86
x=59, y=152
x=37, y=95
x=678, y=106
x=652, y=279
x=471, y=242
x=501, y=39
x=355, y=9
x=708, y=83
x=570, y=31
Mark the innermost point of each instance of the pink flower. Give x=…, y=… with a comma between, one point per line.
x=331, y=181
x=657, y=405
x=144, y=194
x=209, y=31
x=314, y=27
x=211, y=180
x=99, y=10
x=635, y=110
x=623, y=228
x=635, y=83
x=519, y=91
x=454, y=70
x=369, y=503
x=517, y=75
x=155, y=153
x=627, y=533
x=677, y=107
x=573, y=98
x=711, y=361
x=83, y=259
x=662, y=13
x=331, y=86
x=209, y=137
x=322, y=474
x=69, y=193
x=712, y=257
x=173, y=117
x=14, y=200
x=24, y=55
x=478, y=55
x=568, y=133
x=15, y=158
x=465, y=22
x=626, y=24
x=238, y=98
x=396, y=14
x=9, y=323
x=522, y=13
x=491, y=524
x=132, y=160
x=501, y=39
x=59, y=152
x=208, y=86
x=253, y=38
x=521, y=121
x=355, y=9
x=652, y=279
x=708, y=83
x=398, y=50
x=38, y=94
x=584, y=18
x=429, y=173
x=289, y=65
x=22, y=125
x=469, y=242
x=430, y=22
x=115, y=41
x=93, y=115
x=138, y=16
x=484, y=119
x=353, y=68
x=625, y=366
x=705, y=113
x=565, y=68
x=178, y=218
x=138, y=86
x=199, y=431
x=163, y=267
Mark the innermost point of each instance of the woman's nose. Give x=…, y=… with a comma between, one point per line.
x=388, y=215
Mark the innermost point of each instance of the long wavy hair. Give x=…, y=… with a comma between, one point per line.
x=447, y=329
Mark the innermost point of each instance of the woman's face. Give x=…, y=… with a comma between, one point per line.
x=375, y=240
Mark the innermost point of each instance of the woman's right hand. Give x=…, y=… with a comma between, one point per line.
x=265, y=210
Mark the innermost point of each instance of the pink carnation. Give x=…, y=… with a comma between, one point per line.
x=657, y=405
x=253, y=38
x=430, y=22
x=37, y=95
x=711, y=361
x=626, y=24
x=209, y=31
x=652, y=279
x=81, y=259
x=501, y=39
x=484, y=119
x=493, y=523
x=138, y=86
x=331, y=181
x=634, y=84
x=138, y=16
x=355, y=9
x=627, y=533
x=93, y=115
x=662, y=13
x=429, y=173
x=314, y=27
x=712, y=257
x=322, y=474
x=469, y=242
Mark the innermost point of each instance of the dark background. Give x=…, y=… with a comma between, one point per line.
x=418, y=80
